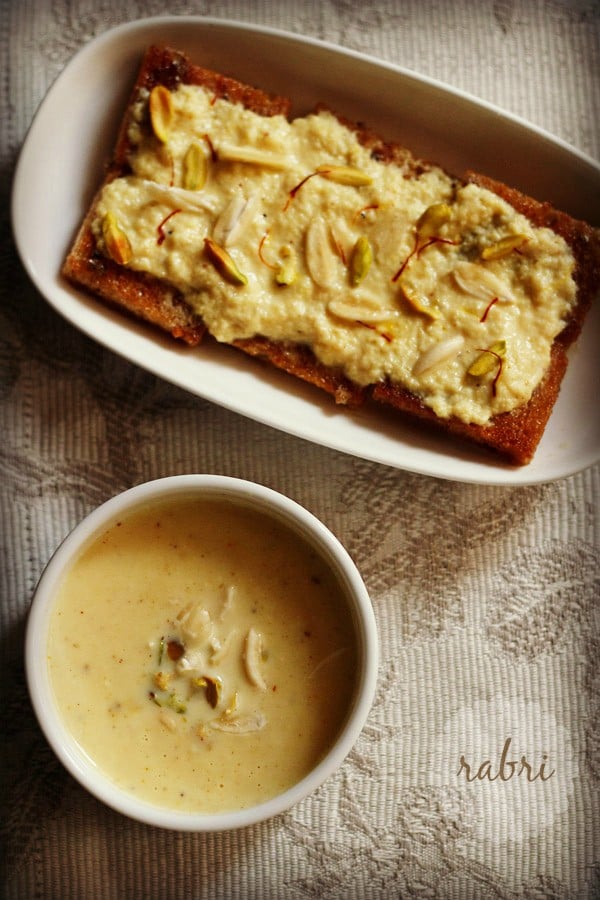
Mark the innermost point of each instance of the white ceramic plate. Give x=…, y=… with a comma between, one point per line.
x=72, y=135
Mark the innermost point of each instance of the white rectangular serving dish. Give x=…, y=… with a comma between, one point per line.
x=72, y=136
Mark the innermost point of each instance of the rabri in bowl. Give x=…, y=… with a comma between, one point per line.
x=201, y=652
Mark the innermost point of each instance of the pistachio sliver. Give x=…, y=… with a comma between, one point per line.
x=418, y=301
x=487, y=361
x=212, y=689
x=115, y=240
x=224, y=263
x=360, y=260
x=171, y=702
x=344, y=175
x=432, y=219
x=503, y=247
x=161, y=110
x=195, y=168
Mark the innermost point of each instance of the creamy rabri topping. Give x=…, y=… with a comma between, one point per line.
x=202, y=654
x=292, y=231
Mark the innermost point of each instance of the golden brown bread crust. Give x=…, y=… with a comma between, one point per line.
x=514, y=435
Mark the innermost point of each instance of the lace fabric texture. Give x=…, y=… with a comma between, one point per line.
x=486, y=598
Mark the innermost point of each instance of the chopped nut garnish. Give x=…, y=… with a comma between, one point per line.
x=224, y=263
x=236, y=216
x=116, y=241
x=161, y=680
x=488, y=359
x=212, y=688
x=252, y=659
x=191, y=201
x=175, y=650
x=504, y=246
x=252, y=156
x=232, y=705
x=430, y=222
x=360, y=260
x=160, y=105
x=354, y=312
x=220, y=649
x=171, y=702
x=190, y=679
x=195, y=625
x=319, y=255
x=439, y=353
x=169, y=719
x=345, y=175
x=195, y=168
x=426, y=232
x=240, y=724
x=480, y=282
x=419, y=302
x=287, y=271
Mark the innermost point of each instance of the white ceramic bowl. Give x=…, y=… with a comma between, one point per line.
x=261, y=498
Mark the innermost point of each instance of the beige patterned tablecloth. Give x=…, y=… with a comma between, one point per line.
x=486, y=598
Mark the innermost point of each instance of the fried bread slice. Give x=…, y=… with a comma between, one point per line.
x=515, y=433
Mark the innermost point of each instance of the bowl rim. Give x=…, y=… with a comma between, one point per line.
x=246, y=492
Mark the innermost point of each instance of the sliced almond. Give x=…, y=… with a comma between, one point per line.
x=253, y=658
x=253, y=156
x=240, y=724
x=228, y=219
x=169, y=719
x=345, y=175
x=478, y=281
x=227, y=602
x=439, y=353
x=191, y=201
x=192, y=662
x=320, y=259
x=195, y=625
x=219, y=649
x=235, y=217
x=160, y=105
x=354, y=312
